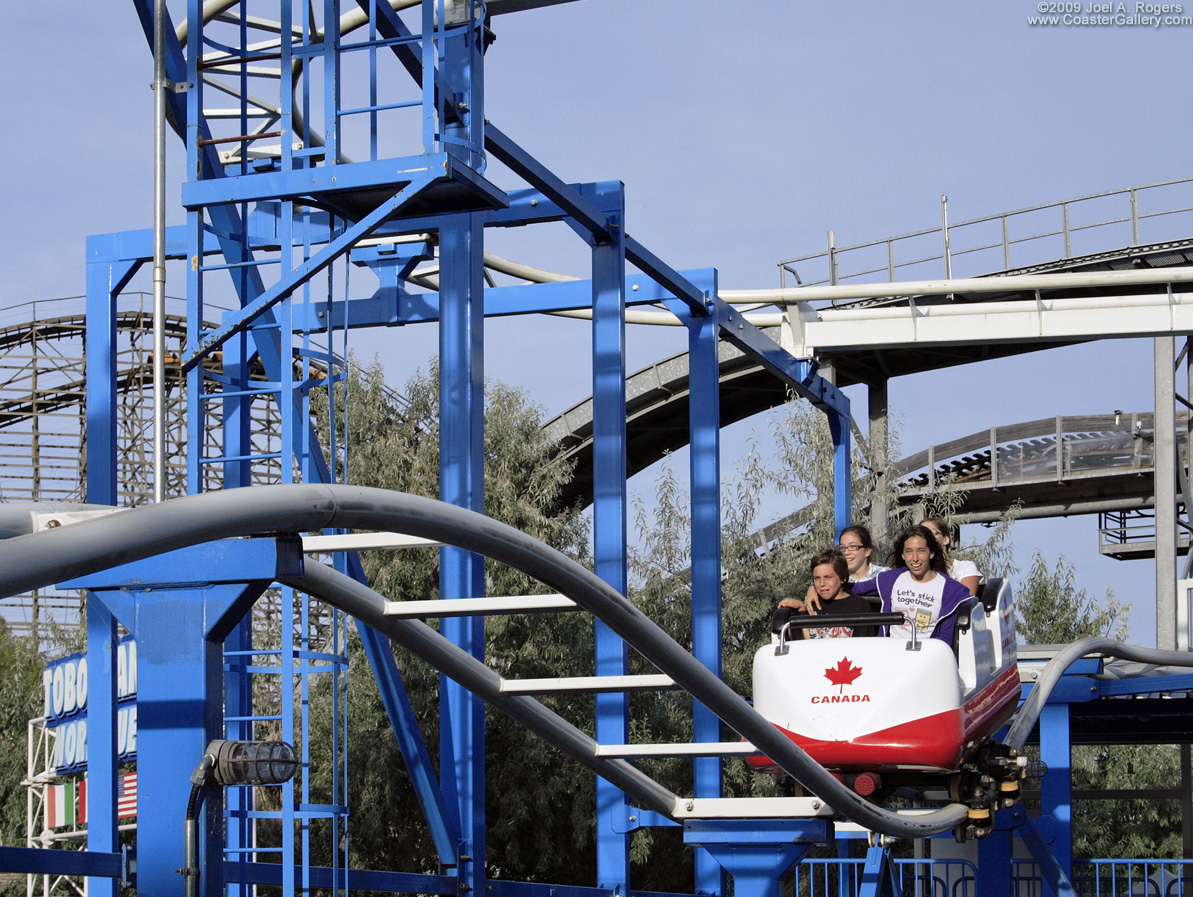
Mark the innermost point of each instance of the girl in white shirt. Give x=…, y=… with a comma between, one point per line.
x=965, y=572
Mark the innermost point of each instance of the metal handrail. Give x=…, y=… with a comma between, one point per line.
x=835, y=254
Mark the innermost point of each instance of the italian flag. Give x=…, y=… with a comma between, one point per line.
x=60, y=805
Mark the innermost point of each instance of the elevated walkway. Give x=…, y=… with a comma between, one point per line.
x=1054, y=466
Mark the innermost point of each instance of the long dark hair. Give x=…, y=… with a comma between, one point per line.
x=945, y=530
x=937, y=563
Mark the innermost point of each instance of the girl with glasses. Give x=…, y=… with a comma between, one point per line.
x=856, y=547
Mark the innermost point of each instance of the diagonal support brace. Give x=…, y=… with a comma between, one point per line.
x=239, y=321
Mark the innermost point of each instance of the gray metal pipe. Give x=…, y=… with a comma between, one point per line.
x=32, y=561
x=160, y=85
x=420, y=639
x=1029, y=712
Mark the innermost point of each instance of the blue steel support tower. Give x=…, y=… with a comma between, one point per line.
x=282, y=188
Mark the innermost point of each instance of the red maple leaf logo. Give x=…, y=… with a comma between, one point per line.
x=843, y=673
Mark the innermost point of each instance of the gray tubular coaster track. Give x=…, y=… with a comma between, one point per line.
x=39, y=559
x=43, y=558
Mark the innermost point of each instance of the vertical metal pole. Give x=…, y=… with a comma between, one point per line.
x=102, y=763
x=1164, y=467
x=1064, y=208
x=838, y=423
x=705, y=470
x=994, y=458
x=1056, y=794
x=179, y=710
x=1006, y=245
x=610, y=512
x=160, y=86
x=1187, y=463
x=879, y=410
x=1186, y=802
x=944, y=230
x=1134, y=217
x=461, y=455
x=994, y=860
x=832, y=258
x=195, y=243
x=104, y=282
x=1060, y=449
x=461, y=482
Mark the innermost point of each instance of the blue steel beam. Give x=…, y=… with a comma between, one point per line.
x=501, y=888
x=97, y=865
x=180, y=606
x=994, y=859
x=105, y=280
x=392, y=306
x=1056, y=797
x=838, y=425
x=461, y=482
x=102, y=825
x=358, y=879
x=705, y=472
x=879, y=876
x=226, y=223
x=579, y=209
x=523, y=206
x=304, y=182
x=759, y=854
x=799, y=373
x=668, y=277
x=1055, y=865
x=610, y=513
x=387, y=174
x=296, y=277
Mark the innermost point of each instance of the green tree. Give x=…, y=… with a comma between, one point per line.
x=1140, y=827
x=539, y=805
x=1052, y=610
x=20, y=701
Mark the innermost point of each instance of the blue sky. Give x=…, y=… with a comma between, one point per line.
x=743, y=132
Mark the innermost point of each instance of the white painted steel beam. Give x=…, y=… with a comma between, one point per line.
x=364, y=542
x=750, y=808
x=1074, y=280
x=1022, y=321
x=478, y=607
x=680, y=749
x=586, y=685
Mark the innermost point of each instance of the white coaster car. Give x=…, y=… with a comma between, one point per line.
x=886, y=705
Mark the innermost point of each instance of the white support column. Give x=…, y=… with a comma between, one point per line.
x=880, y=451
x=1164, y=465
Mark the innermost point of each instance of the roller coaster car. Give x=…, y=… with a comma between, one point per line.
x=885, y=713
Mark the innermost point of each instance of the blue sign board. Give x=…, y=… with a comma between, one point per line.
x=64, y=683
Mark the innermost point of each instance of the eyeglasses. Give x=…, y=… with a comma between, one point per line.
x=851, y=547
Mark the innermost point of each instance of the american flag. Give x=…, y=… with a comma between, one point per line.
x=126, y=796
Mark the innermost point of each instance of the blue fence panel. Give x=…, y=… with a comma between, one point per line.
x=917, y=878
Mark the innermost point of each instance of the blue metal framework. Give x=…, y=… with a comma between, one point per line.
x=270, y=224
x=274, y=222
